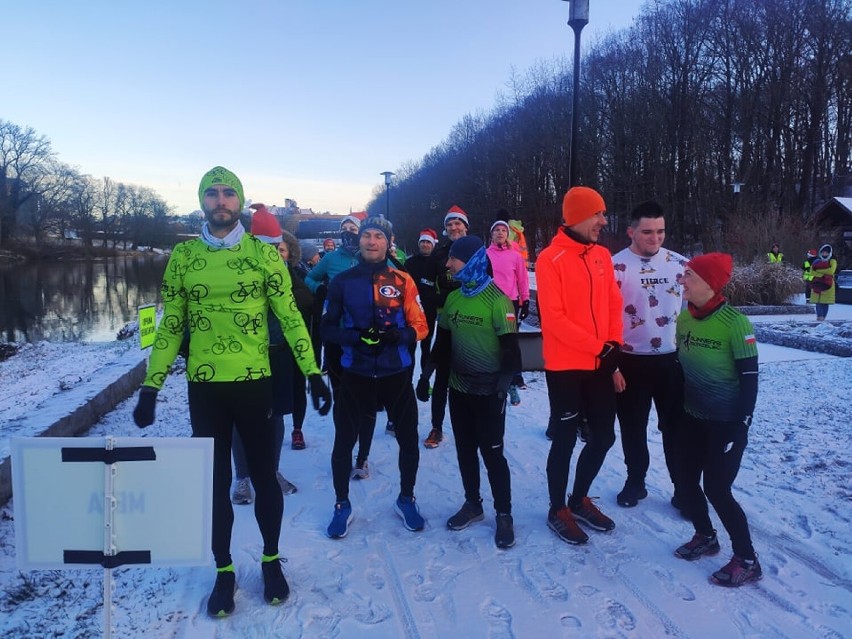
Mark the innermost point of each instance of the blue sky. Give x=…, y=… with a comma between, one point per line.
x=306, y=99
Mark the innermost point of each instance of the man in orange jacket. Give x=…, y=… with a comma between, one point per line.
x=580, y=309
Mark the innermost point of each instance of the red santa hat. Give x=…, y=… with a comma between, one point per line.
x=428, y=235
x=264, y=225
x=356, y=218
x=455, y=213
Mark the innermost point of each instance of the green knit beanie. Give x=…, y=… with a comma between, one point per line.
x=220, y=175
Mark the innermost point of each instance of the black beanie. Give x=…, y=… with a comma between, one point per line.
x=464, y=247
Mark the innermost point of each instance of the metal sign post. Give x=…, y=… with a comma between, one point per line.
x=69, y=512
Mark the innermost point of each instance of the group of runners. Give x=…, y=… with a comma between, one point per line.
x=618, y=332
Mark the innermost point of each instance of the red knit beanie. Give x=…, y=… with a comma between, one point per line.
x=264, y=226
x=713, y=268
x=580, y=203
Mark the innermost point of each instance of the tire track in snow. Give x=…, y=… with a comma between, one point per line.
x=641, y=519
x=672, y=629
x=406, y=618
x=788, y=545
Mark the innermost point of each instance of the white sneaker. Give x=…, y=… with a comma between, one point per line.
x=242, y=492
x=287, y=487
x=361, y=470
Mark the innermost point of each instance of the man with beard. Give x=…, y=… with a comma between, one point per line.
x=218, y=287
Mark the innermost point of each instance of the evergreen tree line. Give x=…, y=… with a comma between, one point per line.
x=736, y=115
x=44, y=200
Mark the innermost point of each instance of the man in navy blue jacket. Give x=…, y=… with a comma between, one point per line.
x=373, y=311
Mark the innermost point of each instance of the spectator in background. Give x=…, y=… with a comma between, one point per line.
x=511, y=277
x=396, y=255
x=456, y=226
x=416, y=266
x=328, y=246
x=775, y=256
x=310, y=258
x=807, y=275
x=823, y=284
x=288, y=395
x=333, y=262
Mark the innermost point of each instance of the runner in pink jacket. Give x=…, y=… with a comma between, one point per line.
x=510, y=275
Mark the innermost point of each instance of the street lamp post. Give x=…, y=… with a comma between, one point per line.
x=388, y=175
x=578, y=17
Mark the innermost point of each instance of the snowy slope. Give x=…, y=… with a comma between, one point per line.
x=384, y=581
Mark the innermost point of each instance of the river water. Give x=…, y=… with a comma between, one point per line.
x=75, y=300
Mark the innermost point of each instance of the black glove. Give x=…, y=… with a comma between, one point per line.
x=609, y=357
x=143, y=414
x=319, y=391
x=370, y=337
x=524, y=311
x=390, y=336
x=422, y=389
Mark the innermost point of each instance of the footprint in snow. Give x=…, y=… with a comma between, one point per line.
x=570, y=621
x=615, y=614
x=499, y=620
x=804, y=525
x=672, y=585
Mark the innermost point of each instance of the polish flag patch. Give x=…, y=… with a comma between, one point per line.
x=510, y=317
x=750, y=339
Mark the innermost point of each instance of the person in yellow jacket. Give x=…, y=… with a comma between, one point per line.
x=218, y=288
x=807, y=276
x=823, y=284
x=775, y=256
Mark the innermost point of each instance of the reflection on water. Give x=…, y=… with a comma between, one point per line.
x=73, y=301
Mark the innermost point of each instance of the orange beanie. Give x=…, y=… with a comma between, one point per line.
x=580, y=203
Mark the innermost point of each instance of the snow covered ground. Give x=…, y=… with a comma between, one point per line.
x=384, y=581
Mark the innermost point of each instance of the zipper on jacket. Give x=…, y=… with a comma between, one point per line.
x=373, y=317
x=591, y=293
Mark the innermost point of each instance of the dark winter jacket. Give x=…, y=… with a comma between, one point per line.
x=437, y=271
x=417, y=265
x=373, y=296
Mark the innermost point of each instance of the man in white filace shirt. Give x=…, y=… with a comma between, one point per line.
x=650, y=280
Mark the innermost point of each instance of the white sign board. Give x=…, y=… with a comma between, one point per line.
x=162, y=500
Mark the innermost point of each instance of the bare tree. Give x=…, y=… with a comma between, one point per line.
x=23, y=154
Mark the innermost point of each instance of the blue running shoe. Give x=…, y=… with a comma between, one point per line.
x=407, y=508
x=339, y=525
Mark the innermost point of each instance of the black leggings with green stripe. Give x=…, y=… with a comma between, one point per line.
x=215, y=410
